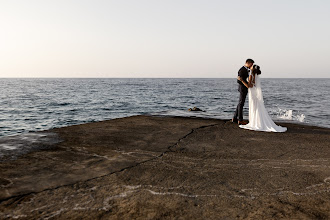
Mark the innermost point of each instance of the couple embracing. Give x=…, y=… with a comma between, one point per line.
x=259, y=119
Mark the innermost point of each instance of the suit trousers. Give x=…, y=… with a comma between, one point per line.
x=239, y=109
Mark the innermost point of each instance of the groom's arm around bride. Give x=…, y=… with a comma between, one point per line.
x=243, y=74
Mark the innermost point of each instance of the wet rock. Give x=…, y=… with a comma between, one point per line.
x=195, y=109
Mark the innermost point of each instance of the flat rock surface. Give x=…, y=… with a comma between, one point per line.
x=148, y=167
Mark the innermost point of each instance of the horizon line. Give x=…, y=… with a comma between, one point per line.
x=156, y=78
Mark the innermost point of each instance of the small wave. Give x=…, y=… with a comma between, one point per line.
x=59, y=103
x=290, y=115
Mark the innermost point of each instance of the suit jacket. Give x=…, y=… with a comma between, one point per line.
x=244, y=74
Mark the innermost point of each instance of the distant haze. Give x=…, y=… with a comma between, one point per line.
x=168, y=38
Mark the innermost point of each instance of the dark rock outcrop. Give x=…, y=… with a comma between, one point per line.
x=147, y=167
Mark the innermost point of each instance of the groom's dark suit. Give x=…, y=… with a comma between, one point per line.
x=244, y=74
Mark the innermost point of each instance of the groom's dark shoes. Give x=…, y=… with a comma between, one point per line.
x=242, y=123
x=234, y=120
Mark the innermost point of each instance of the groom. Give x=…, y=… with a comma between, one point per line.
x=243, y=91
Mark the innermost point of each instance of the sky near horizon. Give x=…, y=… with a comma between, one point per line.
x=168, y=38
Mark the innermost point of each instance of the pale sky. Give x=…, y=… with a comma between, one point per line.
x=163, y=38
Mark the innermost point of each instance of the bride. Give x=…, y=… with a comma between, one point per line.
x=259, y=120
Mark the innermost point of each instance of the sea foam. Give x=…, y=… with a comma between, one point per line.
x=290, y=115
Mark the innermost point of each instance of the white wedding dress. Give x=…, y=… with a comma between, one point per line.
x=259, y=120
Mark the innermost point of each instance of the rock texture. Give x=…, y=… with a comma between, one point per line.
x=147, y=167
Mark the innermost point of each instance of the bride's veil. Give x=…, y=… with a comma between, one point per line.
x=258, y=87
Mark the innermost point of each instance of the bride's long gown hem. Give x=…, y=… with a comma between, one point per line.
x=259, y=119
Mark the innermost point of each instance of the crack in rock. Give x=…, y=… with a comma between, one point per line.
x=18, y=197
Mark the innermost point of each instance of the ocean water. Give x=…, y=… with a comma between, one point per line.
x=40, y=104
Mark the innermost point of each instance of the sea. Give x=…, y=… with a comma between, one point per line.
x=36, y=104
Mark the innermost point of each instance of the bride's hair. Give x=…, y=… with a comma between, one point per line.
x=256, y=69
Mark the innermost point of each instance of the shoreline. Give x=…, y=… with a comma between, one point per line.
x=285, y=121
x=169, y=166
x=16, y=138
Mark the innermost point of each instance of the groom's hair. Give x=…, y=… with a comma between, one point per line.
x=249, y=61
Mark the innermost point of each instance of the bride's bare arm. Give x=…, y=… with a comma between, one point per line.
x=250, y=84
